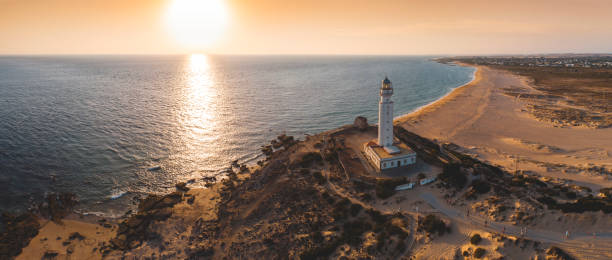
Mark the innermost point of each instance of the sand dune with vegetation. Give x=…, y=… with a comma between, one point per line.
x=486, y=122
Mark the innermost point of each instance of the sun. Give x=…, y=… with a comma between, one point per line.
x=197, y=23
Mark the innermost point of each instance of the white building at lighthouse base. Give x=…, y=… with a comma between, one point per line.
x=383, y=158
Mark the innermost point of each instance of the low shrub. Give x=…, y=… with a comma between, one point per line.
x=377, y=217
x=452, y=176
x=385, y=188
x=587, y=204
x=362, y=186
x=308, y=159
x=320, y=178
x=580, y=206
x=432, y=224
x=606, y=191
x=475, y=239
x=479, y=252
x=481, y=187
x=558, y=253
x=353, y=231
x=355, y=209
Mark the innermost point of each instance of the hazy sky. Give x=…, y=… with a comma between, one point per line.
x=313, y=27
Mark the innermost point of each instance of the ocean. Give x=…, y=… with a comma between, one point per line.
x=94, y=125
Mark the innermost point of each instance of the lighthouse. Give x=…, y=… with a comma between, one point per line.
x=385, y=117
x=385, y=152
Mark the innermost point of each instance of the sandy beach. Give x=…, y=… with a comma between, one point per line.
x=496, y=128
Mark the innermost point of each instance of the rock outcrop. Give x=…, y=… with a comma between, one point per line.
x=361, y=123
x=134, y=230
x=17, y=233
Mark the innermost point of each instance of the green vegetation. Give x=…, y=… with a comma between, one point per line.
x=341, y=209
x=479, y=252
x=353, y=231
x=475, y=239
x=558, y=253
x=580, y=206
x=319, y=177
x=355, y=209
x=307, y=160
x=606, y=191
x=481, y=187
x=385, y=188
x=526, y=180
x=452, y=176
x=432, y=224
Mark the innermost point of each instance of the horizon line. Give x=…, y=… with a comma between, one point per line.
x=299, y=54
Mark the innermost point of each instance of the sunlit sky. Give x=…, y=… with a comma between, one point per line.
x=390, y=27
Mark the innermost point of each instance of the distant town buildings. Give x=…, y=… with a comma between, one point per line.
x=598, y=61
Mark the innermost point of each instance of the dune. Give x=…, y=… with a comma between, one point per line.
x=485, y=121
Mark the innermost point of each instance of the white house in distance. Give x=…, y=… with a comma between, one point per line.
x=385, y=152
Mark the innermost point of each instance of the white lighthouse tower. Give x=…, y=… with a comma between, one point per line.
x=383, y=153
x=385, y=117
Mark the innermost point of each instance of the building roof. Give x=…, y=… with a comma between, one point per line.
x=386, y=80
x=386, y=83
x=404, y=150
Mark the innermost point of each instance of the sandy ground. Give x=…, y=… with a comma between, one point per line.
x=55, y=237
x=484, y=121
x=495, y=128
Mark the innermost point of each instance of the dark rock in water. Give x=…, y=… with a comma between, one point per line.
x=57, y=205
x=361, y=123
x=149, y=202
x=17, y=233
x=181, y=186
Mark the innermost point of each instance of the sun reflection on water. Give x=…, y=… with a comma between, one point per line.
x=199, y=110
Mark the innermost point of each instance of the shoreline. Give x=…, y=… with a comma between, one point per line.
x=443, y=99
x=482, y=119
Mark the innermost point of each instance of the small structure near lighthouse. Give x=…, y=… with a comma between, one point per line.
x=385, y=152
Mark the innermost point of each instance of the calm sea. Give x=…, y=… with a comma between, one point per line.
x=94, y=125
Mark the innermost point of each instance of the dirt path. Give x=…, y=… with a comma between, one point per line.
x=582, y=243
